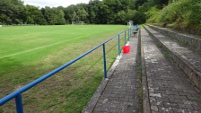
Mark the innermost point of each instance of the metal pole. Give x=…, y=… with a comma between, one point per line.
x=128, y=34
x=18, y=102
x=119, y=49
x=104, y=62
x=125, y=37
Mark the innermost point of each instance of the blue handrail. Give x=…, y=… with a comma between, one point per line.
x=17, y=94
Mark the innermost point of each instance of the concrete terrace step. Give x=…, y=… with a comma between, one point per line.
x=169, y=89
x=188, y=39
x=187, y=59
x=120, y=92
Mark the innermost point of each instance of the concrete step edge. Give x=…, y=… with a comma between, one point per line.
x=193, y=73
x=191, y=41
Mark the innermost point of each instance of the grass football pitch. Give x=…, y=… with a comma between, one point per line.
x=28, y=52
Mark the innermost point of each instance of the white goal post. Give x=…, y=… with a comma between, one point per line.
x=78, y=23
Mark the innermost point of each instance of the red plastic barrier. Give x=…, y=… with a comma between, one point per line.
x=126, y=49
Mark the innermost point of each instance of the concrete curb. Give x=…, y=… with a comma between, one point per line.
x=193, y=73
x=94, y=99
x=146, y=101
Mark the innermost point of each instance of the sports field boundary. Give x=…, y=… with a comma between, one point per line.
x=17, y=95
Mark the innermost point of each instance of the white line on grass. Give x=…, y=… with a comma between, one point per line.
x=41, y=47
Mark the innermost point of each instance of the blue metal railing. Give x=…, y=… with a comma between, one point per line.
x=18, y=93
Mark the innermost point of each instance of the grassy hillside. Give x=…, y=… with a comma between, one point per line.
x=181, y=14
x=29, y=52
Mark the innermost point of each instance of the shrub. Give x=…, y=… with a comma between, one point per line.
x=184, y=13
x=152, y=14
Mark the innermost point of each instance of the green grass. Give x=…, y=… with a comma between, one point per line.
x=29, y=52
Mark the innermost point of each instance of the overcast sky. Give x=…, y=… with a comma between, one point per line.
x=53, y=3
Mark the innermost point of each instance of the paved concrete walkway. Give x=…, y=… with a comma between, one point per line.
x=120, y=94
x=170, y=90
x=190, y=55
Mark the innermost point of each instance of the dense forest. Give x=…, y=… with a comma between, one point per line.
x=95, y=12
x=179, y=13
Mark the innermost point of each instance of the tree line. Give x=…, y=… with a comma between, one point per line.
x=95, y=12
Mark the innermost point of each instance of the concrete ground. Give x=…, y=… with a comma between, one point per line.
x=169, y=88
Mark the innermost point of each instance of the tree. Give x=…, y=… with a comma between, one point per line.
x=34, y=15
x=12, y=12
x=70, y=13
x=94, y=10
x=121, y=17
x=139, y=3
x=74, y=16
x=131, y=14
x=159, y=3
x=83, y=14
x=54, y=16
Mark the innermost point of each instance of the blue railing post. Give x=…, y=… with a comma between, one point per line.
x=119, y=49
x=104, y=62
x=125, y=37
x=18, y=102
